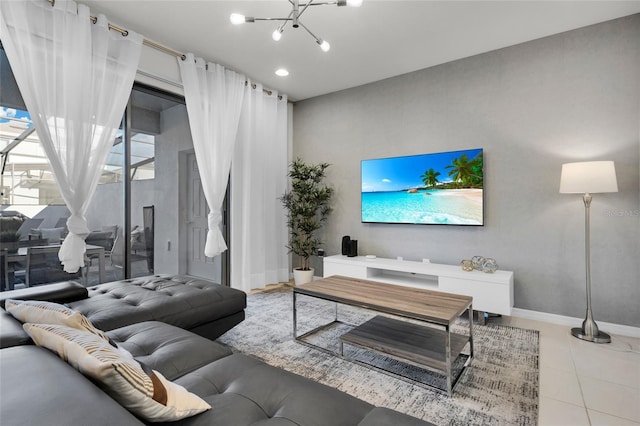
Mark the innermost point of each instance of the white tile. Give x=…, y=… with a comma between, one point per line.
x=560, y=385
x=611, y=398
x=612, y=362
x=557, y=413
x=555, y=352
x=601, y=419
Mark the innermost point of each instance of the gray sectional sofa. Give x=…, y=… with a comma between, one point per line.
x=161, y=321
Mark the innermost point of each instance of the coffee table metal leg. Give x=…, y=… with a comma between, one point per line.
x=295, y=317
x=471, y=335
x=447, y=348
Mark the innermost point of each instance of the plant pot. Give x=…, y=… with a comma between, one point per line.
x=11, y=246
x=302, y=277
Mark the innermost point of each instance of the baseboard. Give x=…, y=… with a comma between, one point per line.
x=622, y=330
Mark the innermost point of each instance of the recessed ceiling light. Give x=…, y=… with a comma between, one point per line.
x=282, y=72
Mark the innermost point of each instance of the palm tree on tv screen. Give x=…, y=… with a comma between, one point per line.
x=466, y=173
x=430, y=178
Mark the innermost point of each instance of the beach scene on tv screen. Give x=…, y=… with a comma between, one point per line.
x=442, y=188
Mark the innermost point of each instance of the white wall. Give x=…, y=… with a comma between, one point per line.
x=569, y=97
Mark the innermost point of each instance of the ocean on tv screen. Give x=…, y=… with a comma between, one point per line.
x=445, y=207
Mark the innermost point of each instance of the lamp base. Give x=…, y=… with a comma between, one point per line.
x=599, y=337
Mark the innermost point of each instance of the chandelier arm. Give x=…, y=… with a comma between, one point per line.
x=310, y=33
x=321, y=3
x=281, y=26
x=303, y=9
x=272, y=19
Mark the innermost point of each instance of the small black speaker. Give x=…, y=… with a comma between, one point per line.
x=353, y=248
x=345, y=245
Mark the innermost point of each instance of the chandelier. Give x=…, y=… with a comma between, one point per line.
x=297, y=10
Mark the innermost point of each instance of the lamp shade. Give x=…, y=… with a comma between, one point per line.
x=588, y=177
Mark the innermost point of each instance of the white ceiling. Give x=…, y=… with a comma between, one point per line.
x=379, y=40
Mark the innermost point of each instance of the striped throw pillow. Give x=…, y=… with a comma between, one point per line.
x=149, y=396
x=40, y=312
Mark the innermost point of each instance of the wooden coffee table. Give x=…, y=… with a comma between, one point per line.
x=433, y=348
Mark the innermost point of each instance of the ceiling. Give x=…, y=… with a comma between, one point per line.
x=379, y=40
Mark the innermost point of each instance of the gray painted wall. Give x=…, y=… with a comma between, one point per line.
x=569, y=97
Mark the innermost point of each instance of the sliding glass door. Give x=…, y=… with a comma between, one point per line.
x=143, y=214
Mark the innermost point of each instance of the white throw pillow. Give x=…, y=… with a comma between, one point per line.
x=40, y=312
x=180, y=402
x=120, y=376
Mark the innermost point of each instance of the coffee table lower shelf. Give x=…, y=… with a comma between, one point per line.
x=419, y=345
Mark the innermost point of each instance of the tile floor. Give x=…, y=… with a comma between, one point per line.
x=583, y=383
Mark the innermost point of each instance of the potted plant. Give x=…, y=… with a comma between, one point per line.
x=9, y=240
x=307, y=205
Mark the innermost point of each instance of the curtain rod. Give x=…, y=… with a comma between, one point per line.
x=162, y=48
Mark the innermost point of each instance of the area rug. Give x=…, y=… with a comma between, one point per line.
x=500, y=387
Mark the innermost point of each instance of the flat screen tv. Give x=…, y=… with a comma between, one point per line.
x=443, y=188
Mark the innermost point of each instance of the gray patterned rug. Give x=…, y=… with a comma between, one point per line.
x=500, y=387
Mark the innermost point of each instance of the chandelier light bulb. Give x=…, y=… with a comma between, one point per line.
x=237, y=19
x=325, y=46
x=277, y=34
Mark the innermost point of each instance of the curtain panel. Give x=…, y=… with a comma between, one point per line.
x=214, y=98
x=258, y=179
x=75, y=77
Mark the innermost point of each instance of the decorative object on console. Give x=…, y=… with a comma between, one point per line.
x=294, y=17
x=467, y=265
x=489, y=265
x=477, y=262
x=308, y=207
x=587, y=178
x=353, y=248
x=345, y=245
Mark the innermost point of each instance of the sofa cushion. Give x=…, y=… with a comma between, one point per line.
x=245, y=391
x=38, y=388
x=63, y=292
x=40, y=312
x=120, y=376
x=54, y=235
x=181, y=301
x=11, y=331
x=168, y=349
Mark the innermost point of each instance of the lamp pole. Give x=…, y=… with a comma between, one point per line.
x=589, y=330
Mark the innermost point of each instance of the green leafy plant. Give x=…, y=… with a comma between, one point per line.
x=9, y=236
x=308, y=207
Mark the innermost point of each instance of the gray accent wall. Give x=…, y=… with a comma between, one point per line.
x=532, y=107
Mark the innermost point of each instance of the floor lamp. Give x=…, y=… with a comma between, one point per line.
x=588, y=178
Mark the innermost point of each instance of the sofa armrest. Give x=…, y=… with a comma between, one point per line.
x=63, y=292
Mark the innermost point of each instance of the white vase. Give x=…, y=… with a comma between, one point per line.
x=302, y=277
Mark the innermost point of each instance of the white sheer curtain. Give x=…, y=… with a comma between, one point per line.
x=258, y=179
x=214, y=97
x=75, y=78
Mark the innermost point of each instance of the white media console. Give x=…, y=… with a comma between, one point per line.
x=491, y=292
